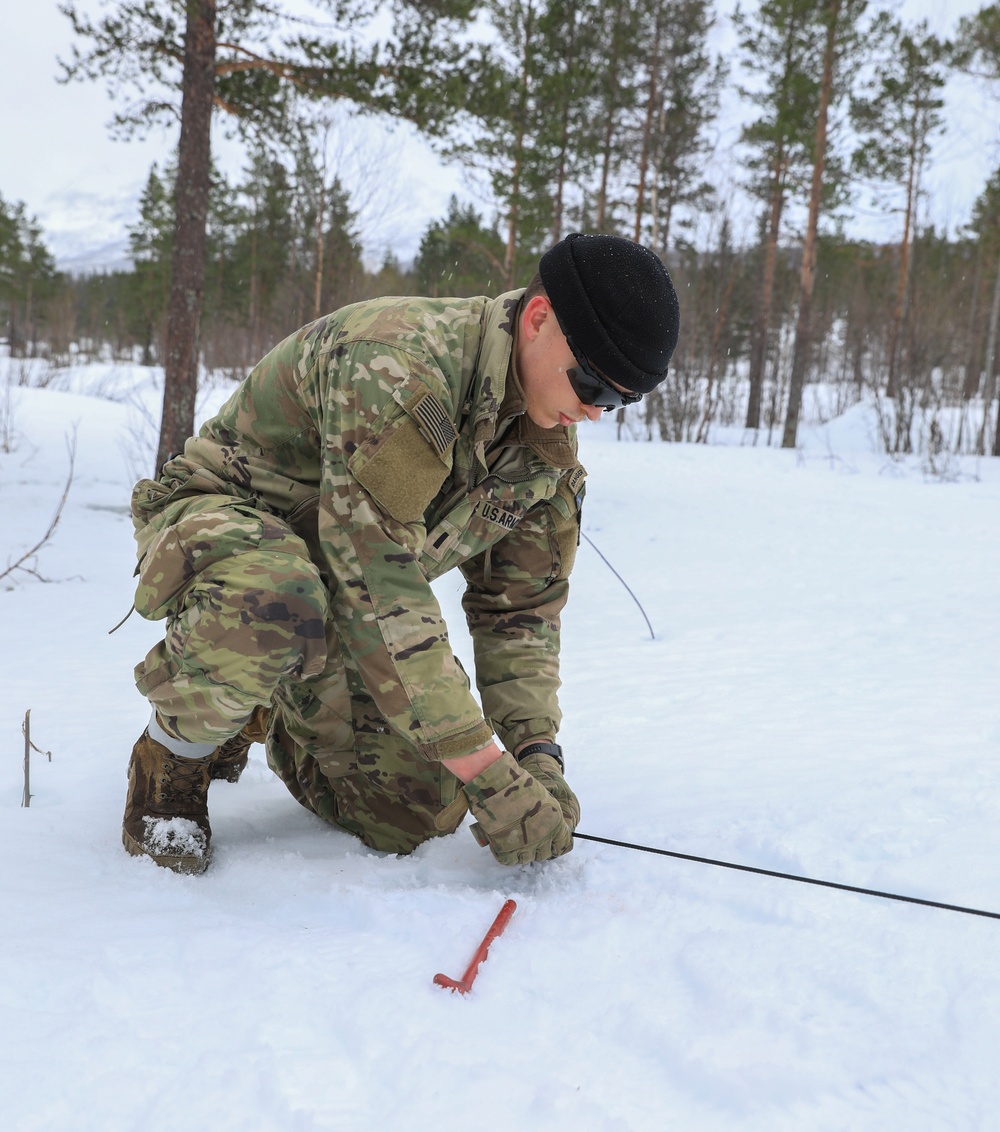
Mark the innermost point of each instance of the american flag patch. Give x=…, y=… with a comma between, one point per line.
x=433, y=422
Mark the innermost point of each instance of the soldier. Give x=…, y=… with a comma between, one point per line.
x=292, y=545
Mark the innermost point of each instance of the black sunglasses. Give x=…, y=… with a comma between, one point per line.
x=591, y=388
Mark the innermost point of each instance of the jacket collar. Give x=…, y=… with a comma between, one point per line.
x=502, y=398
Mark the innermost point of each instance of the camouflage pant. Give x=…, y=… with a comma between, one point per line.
x=248, y=623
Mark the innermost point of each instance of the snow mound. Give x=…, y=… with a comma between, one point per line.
x=174, y=836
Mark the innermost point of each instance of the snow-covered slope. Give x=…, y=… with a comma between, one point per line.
x=820, y=698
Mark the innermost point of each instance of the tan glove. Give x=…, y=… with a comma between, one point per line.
x=544, y=769
x=515, y=815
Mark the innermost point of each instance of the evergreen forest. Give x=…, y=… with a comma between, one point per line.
x=568, y=115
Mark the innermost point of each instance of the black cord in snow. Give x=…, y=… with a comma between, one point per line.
x=623, y=582
x=791, y=876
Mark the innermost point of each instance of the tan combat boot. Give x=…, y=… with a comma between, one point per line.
x=166, y=811
x=230, y=759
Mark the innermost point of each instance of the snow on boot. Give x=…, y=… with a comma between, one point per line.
x=166, y=811
x=230, y=759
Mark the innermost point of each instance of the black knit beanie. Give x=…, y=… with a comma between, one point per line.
x=616, y=301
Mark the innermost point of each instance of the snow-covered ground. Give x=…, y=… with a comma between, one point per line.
x=820, y=698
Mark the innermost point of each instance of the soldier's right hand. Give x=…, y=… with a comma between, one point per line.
x=515, y=815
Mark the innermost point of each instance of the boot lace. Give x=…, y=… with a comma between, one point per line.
x=184, y=784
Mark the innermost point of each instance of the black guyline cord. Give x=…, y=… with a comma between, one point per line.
x=752, y=868
x=791, y=876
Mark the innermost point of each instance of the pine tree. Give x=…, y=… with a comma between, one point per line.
x=459, y=255
x=509, y=145
x=27, y=274
x=391, y=278
x=327, y=255
x=343, y=269
x=225, y=285
x=151, y=241
x=897, y=119
x=616, y=92
x=842, y=43
x=568, y=50
x=244, y=57
x=781, y=45
x=261, y=252
x=978, y=53
x=682, y=101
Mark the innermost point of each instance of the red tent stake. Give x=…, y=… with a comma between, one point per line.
x=464, y=985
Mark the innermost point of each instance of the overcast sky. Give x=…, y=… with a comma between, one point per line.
x=57, y=156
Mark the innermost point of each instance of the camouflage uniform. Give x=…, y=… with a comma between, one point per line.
x=292, y=545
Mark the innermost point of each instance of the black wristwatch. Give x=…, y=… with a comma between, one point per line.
x=540, y=748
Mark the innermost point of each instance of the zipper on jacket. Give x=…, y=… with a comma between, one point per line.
x=520, y=477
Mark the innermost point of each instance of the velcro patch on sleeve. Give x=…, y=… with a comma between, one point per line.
x=404, y=474
x=433, y=422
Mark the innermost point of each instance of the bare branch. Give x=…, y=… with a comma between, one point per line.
x=29, y=746
x=45, y=539
x=251, y=62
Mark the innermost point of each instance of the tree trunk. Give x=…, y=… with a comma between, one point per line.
x=970, y=386
x=320, y=249
x=252, y=302
x=194, y=153
x=647, y=126
x=514, y=215
x=807, y=279
x=602, y=193
x=996, y=431
x=902, y=283
x=600, y=220
x=29, y=327
x=758, y=344
x=513, y=219
x=989, y=377
x=13, y=331
x=654, y=187
x=564, y=133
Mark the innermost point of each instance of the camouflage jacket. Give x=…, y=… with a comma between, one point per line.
x=392, y=436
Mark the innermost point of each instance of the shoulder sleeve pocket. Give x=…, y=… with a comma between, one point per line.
x=567, y=505
x=404, y=465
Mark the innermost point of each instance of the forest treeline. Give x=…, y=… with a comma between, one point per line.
x=595, y=115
